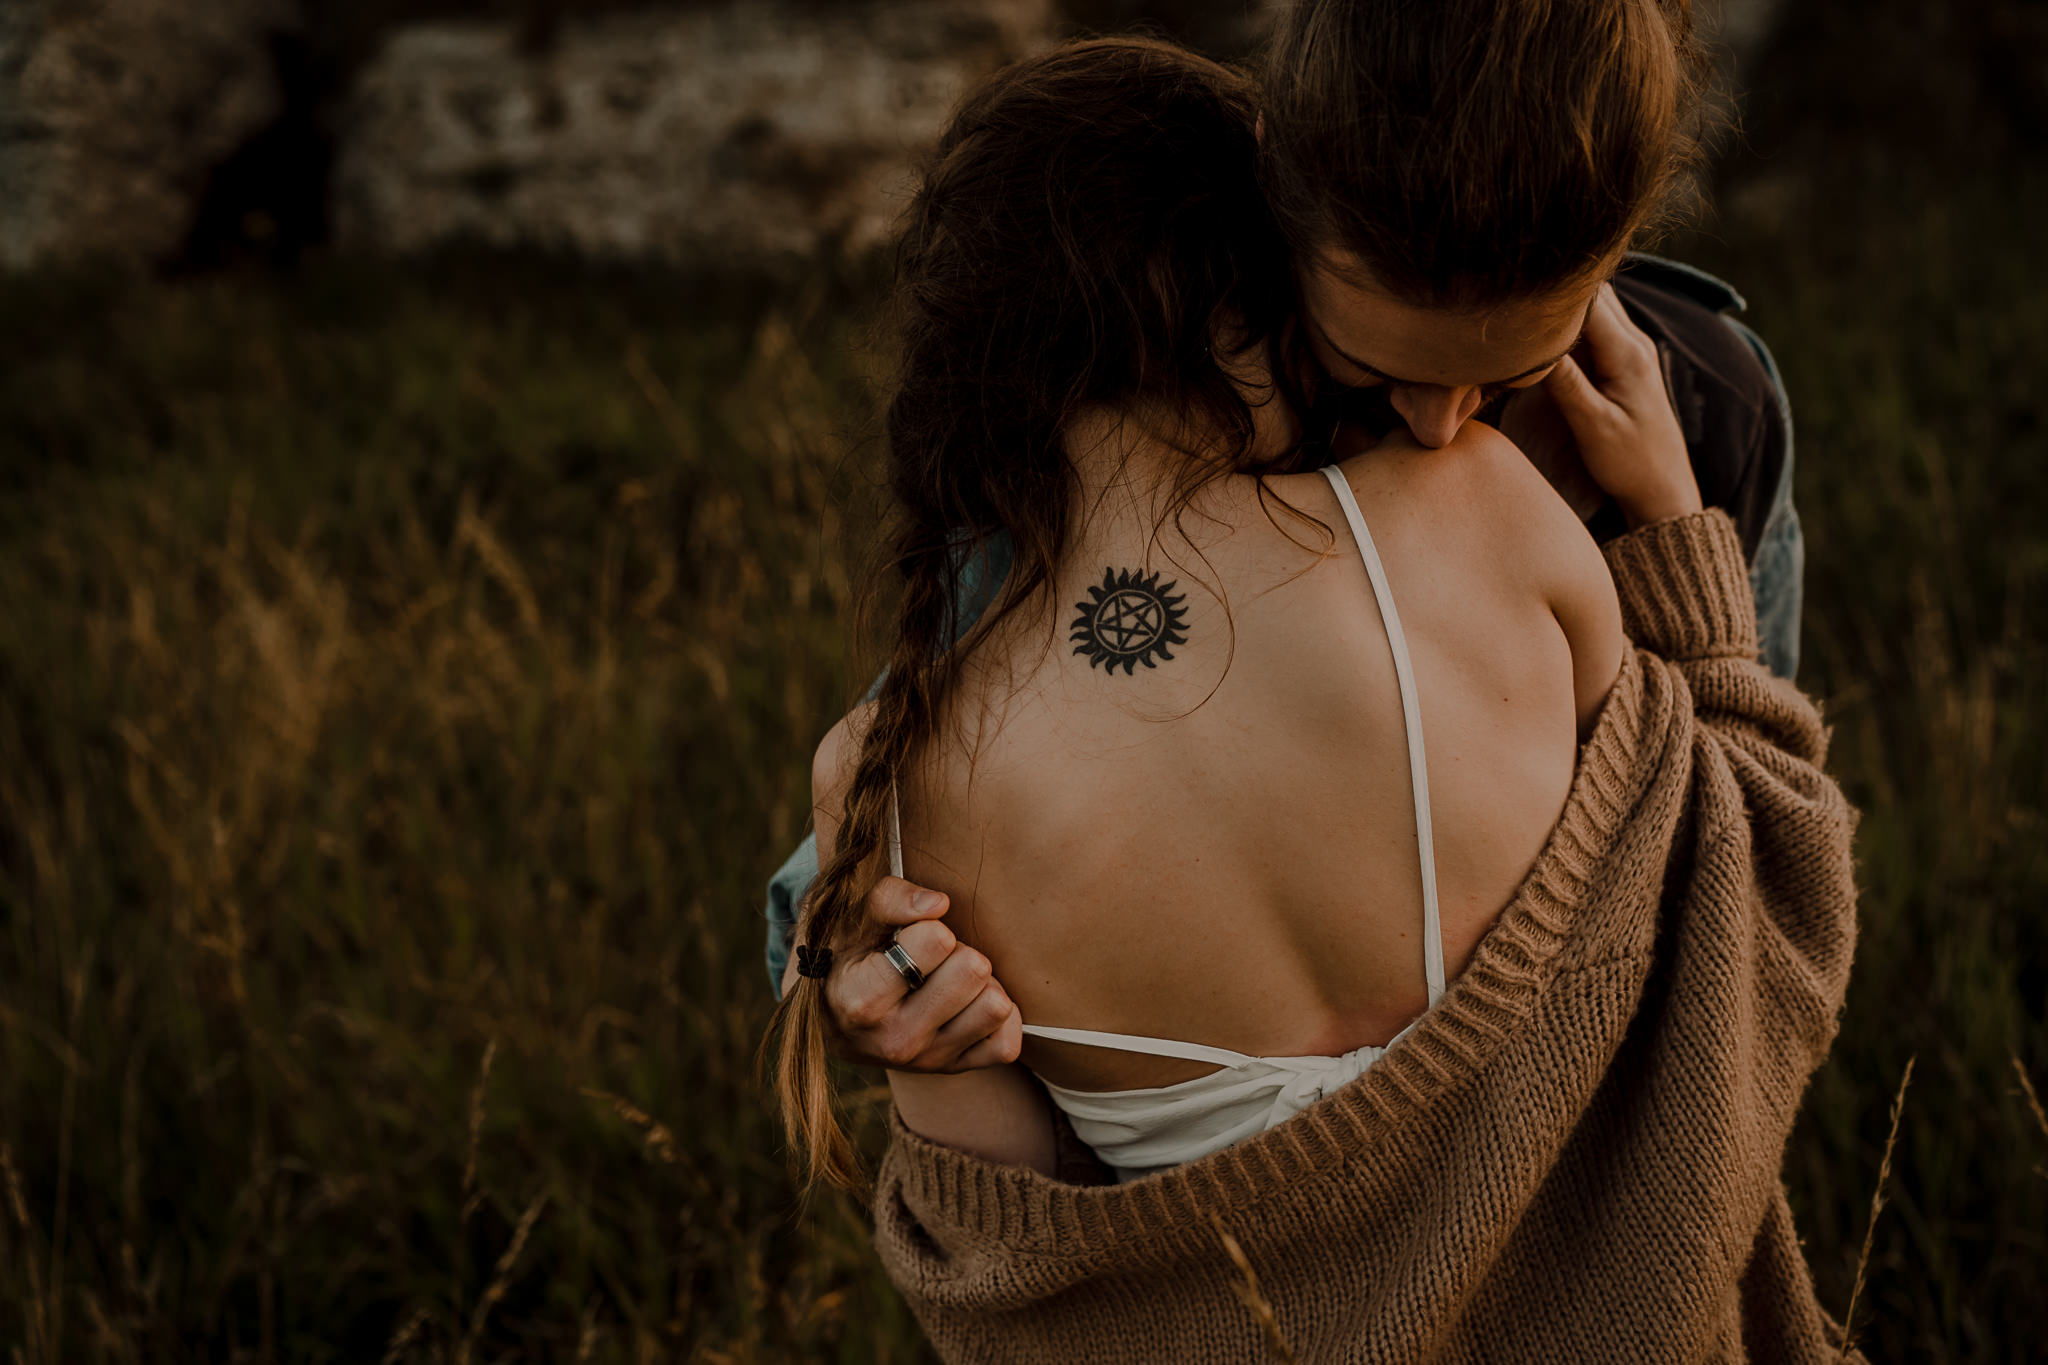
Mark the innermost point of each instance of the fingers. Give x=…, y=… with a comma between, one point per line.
x=1615, y=377
x=881, y=1022
x=873, y=988
x=959, y=1006
x=1576, y=397
x=1002, y=1046
x=929, y=943
x=896, y=902
x=959, y=1019
x=1613, y=396
x=872, y=985
x=1616, y=349
x=980, y=1019
x=867, y=996
x=1597, y=422
x=949, y=989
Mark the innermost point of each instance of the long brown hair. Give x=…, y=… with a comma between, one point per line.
x=1472, y=151
x=1086, y=225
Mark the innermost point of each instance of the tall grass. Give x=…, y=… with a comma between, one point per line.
x=1878, y=222
x=407, y=681
x=403, y=682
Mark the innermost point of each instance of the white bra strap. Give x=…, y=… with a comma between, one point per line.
x=895, y=833
x=1411, y=713
x=1131, y=1042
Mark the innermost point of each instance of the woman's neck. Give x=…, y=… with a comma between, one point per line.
x=1133, y=460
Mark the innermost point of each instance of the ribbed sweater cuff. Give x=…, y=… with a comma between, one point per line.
x=1684, y=588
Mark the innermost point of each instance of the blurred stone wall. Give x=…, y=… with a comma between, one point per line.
x=114, y=112
x=184, y=130
x=757, y=129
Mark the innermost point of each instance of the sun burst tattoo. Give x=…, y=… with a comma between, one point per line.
x=1130, y=621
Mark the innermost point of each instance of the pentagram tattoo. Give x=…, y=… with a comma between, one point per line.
x=1130, y=621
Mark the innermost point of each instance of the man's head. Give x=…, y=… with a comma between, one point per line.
x=1435, y=366
x=1456, y=179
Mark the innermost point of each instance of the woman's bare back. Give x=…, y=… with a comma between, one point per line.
x=1220, y=847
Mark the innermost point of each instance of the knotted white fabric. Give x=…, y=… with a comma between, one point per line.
x=1136, y=1132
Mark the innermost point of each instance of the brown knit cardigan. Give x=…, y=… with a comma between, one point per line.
x=1575, y=1156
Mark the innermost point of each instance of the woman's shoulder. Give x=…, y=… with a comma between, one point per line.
x=1481, y=476
x=1481, y=513
x=832, y=767
x=1479, y=494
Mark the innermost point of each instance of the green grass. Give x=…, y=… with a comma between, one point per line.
x=404, y=666
x=393, y=668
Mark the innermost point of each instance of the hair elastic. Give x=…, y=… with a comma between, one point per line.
x=813, y=962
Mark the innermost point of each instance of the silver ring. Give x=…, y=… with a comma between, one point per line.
x=906, y=966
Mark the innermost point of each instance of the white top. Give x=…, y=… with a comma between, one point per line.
x=1136, y=1132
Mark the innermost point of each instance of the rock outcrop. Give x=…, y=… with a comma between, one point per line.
x=688, y=130
x=760, y=130
x=114, y=112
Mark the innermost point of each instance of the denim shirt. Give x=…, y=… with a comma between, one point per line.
x=1737, y=420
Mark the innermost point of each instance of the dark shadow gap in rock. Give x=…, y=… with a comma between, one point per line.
x=267, y=203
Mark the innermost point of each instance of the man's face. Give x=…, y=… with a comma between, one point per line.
x=1435, y=367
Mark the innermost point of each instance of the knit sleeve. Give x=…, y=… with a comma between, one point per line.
x=1684, y=588
x=1771, y=878
x=1685, y=597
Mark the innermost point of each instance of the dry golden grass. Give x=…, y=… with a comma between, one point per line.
x=375, y=812
x=2033, y=1104
x=1884, y=1172
x=408, y=678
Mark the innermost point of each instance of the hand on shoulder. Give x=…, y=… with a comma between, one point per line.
x=960, y=1018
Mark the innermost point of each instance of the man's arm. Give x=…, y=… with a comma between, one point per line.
x=785, y=889
x=1777, y=570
